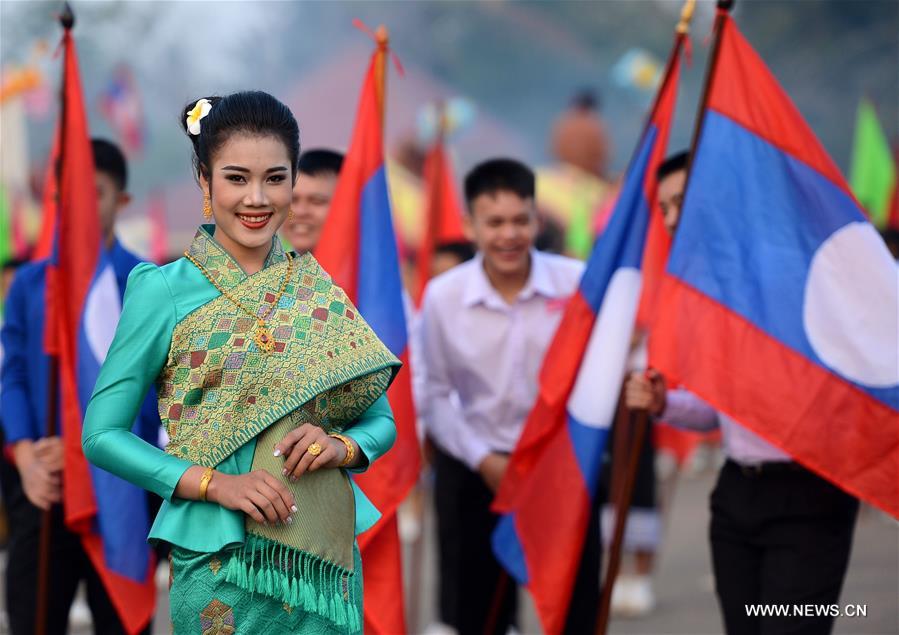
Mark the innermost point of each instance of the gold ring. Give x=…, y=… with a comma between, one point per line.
x=314, y=449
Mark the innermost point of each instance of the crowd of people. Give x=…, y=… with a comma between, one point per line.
x=223, y=345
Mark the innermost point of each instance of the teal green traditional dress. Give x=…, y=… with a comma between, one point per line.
x=225, y=402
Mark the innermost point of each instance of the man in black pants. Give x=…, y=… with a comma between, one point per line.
x=780, y=535
x=464, y=528
x=485, y=327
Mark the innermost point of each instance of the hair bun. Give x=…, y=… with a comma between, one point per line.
x=209, y=121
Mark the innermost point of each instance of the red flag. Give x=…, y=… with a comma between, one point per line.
x=358, y=248
x=680, y=443
x=768, y=307
x=383, y=572
x=72, y=268
x=547, y=493
x=443, y=214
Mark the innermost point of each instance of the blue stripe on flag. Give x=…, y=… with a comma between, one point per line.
x=380, y=289
x=507, y=548
x=122, y=514
x=621, y=244
x=589, y=443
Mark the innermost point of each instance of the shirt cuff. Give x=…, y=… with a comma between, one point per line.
x=684, y=409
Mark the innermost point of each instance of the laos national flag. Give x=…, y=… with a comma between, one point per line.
x=546, y=495
x=358, y=248
x=108, y=514
x=780, y=298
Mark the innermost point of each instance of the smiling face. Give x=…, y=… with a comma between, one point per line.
x=250, y=193
x=503, y=226
x=311, y=201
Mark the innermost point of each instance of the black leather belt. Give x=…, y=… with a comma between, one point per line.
x=768, y=467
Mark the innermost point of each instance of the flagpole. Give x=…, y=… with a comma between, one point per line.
x=637, y=421
x=42, y=604
x=630, y=433
x=382, y=38
x=379, y=69
x=724, y=9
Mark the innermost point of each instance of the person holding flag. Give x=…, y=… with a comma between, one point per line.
x=39, y=458
x=271, y=387
x=751, y=535
x=317, y=173
x=485, y=326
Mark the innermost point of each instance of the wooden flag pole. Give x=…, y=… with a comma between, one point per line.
x=638, y=422
x=382, y=38
x=629, y=443
x=42, y=603
x=724, y=8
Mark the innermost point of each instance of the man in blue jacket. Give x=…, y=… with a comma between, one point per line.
x=39, y=458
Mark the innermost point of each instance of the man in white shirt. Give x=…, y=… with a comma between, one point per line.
x=485, y=327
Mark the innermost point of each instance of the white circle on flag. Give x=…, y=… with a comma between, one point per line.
x=851, y=307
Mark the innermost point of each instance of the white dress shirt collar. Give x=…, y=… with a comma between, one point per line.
x=479, y=290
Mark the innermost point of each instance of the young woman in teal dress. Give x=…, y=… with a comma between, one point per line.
x=271, y=388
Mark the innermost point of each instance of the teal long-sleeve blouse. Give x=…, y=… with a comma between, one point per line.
x=156, y=300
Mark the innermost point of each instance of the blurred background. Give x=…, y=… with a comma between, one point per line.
x=507, y=69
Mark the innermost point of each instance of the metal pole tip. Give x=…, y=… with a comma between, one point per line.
x=67, y=17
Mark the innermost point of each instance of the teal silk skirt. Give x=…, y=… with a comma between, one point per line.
x=202, y=602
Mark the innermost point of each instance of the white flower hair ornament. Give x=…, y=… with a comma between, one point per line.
x=200, y=110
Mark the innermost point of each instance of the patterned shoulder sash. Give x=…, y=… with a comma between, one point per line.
x=218, y=390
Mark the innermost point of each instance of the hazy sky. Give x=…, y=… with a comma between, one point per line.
x=517, y=62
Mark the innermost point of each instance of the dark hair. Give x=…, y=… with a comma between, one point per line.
x=586, y=99
x=13, y=263
x=890, y=236
x=110, y=160
x=674, y=163
x=320, y=162
x=251, y=112
x=497, y=175
x=461, y=249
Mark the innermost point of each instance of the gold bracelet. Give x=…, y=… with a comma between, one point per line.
x=204, y=482
x=350, y=450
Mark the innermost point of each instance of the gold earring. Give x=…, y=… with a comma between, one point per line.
x=207, y=206
x=289, y=213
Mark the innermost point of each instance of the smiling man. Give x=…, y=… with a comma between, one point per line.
x=486, y=325
x=317, y=174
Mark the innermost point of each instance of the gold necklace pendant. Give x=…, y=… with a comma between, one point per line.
x=264, y=338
